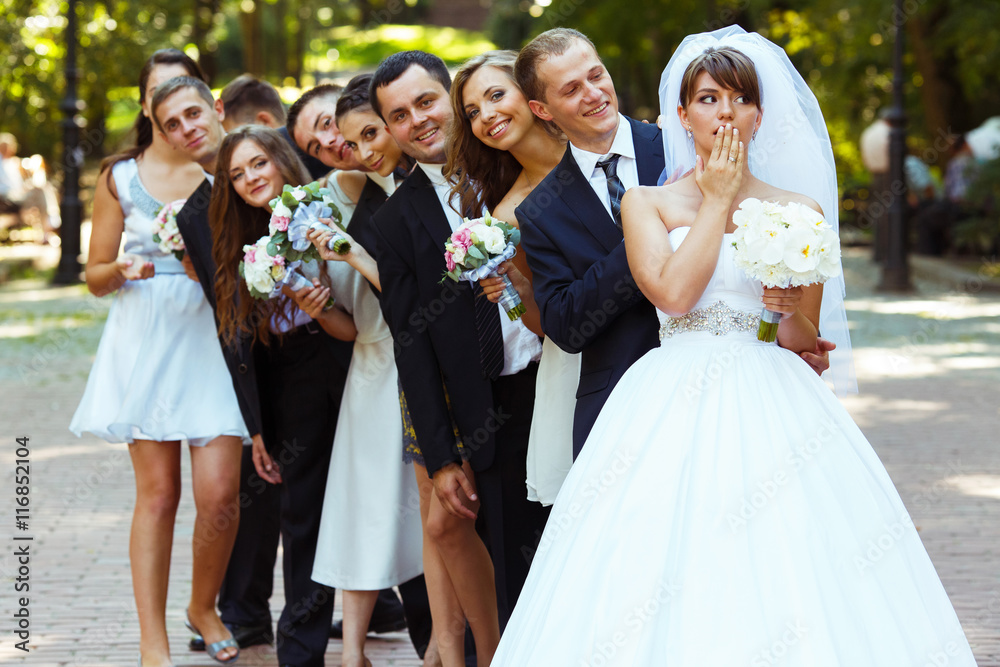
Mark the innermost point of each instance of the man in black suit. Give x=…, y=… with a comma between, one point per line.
x=571, y=224
x=311, y=123
x=188, y=122
x=461, y=363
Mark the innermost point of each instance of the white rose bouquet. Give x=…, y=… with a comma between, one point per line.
x=476, y=249
x=784, y=245
x=295, y=212
x=166, y=236
x=266, y=272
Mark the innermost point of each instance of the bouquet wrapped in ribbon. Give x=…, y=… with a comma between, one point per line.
x=476, y=249
x=266, y=272
x=784, y=245
x=295, y=212
x=165, y=233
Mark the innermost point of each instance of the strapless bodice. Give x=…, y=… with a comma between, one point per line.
x=730, y=302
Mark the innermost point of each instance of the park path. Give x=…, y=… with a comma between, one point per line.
x=929, y=372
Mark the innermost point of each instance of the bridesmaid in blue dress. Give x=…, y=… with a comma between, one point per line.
x=159, y=378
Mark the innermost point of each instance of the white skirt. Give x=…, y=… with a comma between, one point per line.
x=159, y=373
x=550, y=441
x=370, y=535
x=725, y=511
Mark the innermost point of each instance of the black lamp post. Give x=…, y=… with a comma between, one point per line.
x=896, y=270
x=68, y=272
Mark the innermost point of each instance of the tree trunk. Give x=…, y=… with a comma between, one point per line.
x=940, y=94
x=252, y=53
x=204, y=21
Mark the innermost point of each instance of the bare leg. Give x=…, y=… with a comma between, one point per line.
x=215, y=469
x=470, y=570
x=446, y=611
x=358, y=606
x=157, y=492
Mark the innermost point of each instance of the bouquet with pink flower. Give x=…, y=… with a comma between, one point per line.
x=476, y=249
x=265, y=272
x=165, y=233
x=298, y=210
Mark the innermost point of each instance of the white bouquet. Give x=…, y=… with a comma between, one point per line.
x=296, y=211
x=784, y=245
x=166, y=236
x=265, y=273
x=476, y=249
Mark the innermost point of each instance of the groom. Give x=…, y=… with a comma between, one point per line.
x=571, y=223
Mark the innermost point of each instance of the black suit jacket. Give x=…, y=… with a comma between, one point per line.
x=361, y=226
x=433, y=327
x=588, y=299
x=192, y=221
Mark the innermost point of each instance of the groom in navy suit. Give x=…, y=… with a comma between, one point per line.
x=571, y=223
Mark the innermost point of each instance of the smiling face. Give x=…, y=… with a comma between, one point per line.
x=158, y=75
x=316, y=133
x=579, y=97
x=496, y=109
x=417, y=112
x=712, y=105
x=192, y=125
x=369, y=138
x=254, y=175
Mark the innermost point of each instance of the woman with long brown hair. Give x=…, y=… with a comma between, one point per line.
x=499, y=152
x=301, y=381
x=157, y=344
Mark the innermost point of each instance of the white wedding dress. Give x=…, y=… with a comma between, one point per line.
x=727, y=511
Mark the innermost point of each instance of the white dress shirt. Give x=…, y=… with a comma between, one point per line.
x=628, y=172
x=520, y=345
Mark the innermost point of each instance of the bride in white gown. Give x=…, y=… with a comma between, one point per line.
x=726, y=510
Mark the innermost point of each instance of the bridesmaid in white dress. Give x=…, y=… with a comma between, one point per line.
x=159, y=378
x=501, y=150
x=725, y=509
x=370, y=537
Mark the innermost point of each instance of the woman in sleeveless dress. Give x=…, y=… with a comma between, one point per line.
x=725, y=507
x=370, y=536
x=159, y=378
x=500, y=152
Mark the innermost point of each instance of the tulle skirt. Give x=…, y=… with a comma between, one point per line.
x=727, y=511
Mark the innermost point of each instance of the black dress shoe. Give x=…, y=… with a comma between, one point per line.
x=376, y=626
x=245, y=635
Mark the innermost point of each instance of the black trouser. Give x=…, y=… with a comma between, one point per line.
x=514, y=524
x=306, y=385
x=249, y=581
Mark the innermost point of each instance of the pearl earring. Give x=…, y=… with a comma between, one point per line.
x=690, y=136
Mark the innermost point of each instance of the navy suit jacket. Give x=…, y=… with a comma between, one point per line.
x=588, y=300
x=433, y=326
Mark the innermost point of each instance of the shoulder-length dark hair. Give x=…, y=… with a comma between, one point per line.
x=143, y=126
x=234, y=224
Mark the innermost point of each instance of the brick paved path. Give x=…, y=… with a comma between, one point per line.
x=929, y=371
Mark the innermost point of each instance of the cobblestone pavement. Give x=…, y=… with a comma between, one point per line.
x=928, y=368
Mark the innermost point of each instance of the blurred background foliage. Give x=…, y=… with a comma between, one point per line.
x=842, y=47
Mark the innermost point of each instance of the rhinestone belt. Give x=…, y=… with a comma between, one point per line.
x=718, y=319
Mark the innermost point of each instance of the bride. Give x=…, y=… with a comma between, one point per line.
x=726, y=510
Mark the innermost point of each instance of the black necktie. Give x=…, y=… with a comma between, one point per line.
x=615, y=187
x=490, y=336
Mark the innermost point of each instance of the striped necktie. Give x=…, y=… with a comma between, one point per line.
x=490, y=335
x=615, y=187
